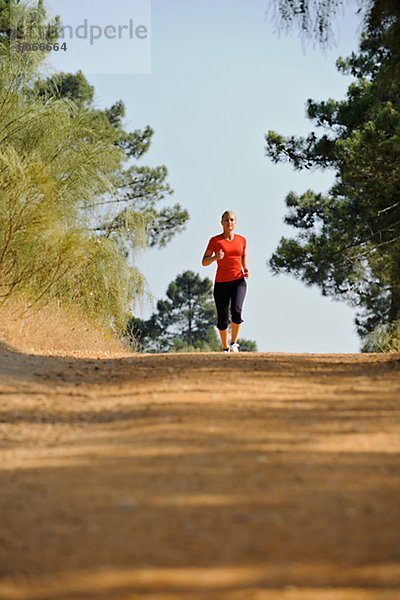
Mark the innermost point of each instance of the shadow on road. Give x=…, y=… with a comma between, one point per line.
x=198, y=476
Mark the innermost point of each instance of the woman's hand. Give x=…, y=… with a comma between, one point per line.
x=219, y=255
x=245, y=272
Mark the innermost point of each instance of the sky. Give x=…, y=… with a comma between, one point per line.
x=211, y=78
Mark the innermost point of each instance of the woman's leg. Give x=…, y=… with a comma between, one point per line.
x=238, y=295
x=235, y=332
x=223, y=334
x=222, y=299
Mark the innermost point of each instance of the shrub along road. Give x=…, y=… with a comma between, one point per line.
x=250, y=476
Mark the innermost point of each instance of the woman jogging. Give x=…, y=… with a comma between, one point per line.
x=228, y=249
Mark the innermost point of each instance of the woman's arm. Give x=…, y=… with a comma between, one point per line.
x=244, y=264
x=209, y=258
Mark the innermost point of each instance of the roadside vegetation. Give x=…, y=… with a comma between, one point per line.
x=75, y=204
x=347, y=240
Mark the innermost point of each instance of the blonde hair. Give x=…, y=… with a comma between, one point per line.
x=227, y=213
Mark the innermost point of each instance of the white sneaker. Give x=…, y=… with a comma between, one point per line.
x=235, y=347
x=226, y=349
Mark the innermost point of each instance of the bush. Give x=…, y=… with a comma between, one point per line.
x=55, y=159
x=385, y=338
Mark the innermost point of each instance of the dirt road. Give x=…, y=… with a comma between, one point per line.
x=202, y=476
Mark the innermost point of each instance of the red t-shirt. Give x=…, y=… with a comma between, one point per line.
x=230, y=267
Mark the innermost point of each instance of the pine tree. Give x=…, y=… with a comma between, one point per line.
x=182, y=321
x=349, y=239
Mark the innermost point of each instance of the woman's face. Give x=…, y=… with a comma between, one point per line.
x=228, y=223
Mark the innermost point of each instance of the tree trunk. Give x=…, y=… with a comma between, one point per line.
x=394, y=311
x=190, y=314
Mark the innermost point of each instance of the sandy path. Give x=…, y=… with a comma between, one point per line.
x=256, y=476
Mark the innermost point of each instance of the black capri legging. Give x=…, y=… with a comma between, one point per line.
x=233, y=293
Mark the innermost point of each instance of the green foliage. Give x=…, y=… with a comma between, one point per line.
x=182, y=323
x=61, y=162
x=25, y=21
x=247, y=345
x=66, y=85
x=348, y=240
x=314, y=19
x=385, y=338
x=139, y=189
x=52, y=163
